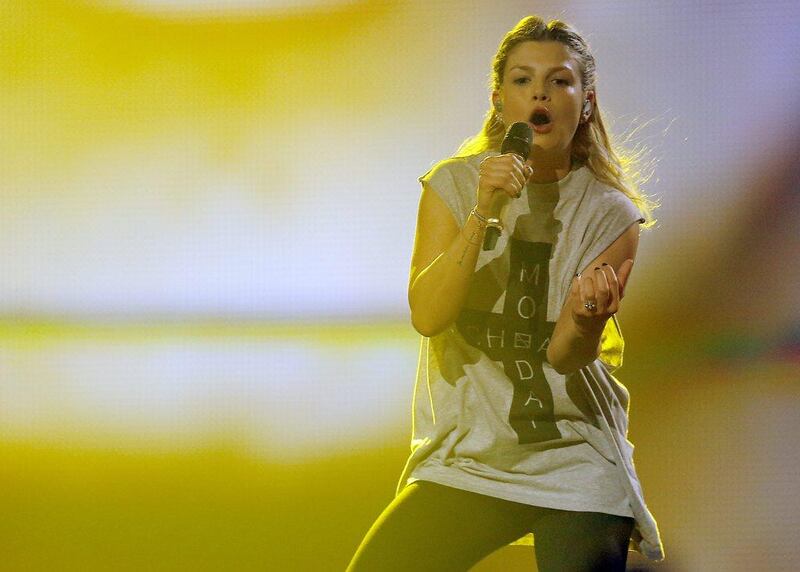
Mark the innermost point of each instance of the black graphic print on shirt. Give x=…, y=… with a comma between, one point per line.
x=518, y=337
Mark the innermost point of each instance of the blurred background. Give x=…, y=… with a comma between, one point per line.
x=208, y=210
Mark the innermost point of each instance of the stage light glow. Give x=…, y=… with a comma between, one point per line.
x=230, y=7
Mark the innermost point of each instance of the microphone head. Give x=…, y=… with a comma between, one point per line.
x=518, y=139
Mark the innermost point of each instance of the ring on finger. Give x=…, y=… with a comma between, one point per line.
x=591, y=306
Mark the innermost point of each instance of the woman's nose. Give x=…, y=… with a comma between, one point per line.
x=539, y=94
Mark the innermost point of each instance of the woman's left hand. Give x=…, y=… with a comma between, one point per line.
x=602, y=289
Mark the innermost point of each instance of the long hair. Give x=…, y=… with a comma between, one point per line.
x=610, y=163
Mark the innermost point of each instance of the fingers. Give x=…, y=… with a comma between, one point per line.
x=585, y=318
x=588, y=296
x=613, y=287
x=507, y=172
x=600, y=291
x=518, y=173
x=525, y=168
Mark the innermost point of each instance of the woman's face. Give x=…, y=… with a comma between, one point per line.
x=543, y=75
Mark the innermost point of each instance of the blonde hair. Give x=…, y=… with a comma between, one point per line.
x=610, y=163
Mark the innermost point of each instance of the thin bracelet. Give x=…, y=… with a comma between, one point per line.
x=482, y=223
x=479, y=216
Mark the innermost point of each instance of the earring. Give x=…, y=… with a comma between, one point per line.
x=587, y=110
x=498, y=108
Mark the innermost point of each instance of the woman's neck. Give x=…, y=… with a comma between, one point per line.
x=549, y=170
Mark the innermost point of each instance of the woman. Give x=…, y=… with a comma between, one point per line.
x=518, y=425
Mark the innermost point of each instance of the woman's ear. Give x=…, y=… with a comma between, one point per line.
x=496, y=101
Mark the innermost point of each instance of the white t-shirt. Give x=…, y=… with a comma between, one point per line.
x=490, y=415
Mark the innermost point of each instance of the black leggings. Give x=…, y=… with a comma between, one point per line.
x=439, y=528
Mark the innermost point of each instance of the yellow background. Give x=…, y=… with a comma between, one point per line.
x=206, y=359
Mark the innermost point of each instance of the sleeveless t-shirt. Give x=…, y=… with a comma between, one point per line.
x=489, y=414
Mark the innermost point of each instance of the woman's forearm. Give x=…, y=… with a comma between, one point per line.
x=571, y=347
x=439, y=291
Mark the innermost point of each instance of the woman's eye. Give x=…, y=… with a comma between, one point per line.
x=521, y=80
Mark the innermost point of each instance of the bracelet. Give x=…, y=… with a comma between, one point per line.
x=479, y=216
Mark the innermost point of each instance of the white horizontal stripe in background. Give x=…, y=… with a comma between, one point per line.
x=281, y=399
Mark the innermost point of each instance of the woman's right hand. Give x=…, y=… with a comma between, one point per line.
x=505, y=173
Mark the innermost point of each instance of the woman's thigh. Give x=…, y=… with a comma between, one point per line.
x=438, y=528
x=571, y=541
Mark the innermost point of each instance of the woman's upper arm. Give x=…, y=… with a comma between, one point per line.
x=435, y=231
x=621, y=249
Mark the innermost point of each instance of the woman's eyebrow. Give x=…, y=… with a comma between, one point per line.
x=551, y=70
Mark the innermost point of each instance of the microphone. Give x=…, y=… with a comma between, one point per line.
x=518, y=139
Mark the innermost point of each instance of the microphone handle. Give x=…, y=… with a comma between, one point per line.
x=496, y=214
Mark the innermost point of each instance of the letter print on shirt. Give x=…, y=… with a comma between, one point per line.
x=519, y=337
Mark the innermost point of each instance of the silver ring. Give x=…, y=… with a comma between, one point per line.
x=590, y=306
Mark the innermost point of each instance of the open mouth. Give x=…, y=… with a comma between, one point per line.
x=540, y=118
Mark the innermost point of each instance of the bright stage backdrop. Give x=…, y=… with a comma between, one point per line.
x=207, y=215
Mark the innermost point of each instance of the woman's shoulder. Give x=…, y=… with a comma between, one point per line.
x=456, y=166
x=608, y=200
x=600, y=190
x=454, y=180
